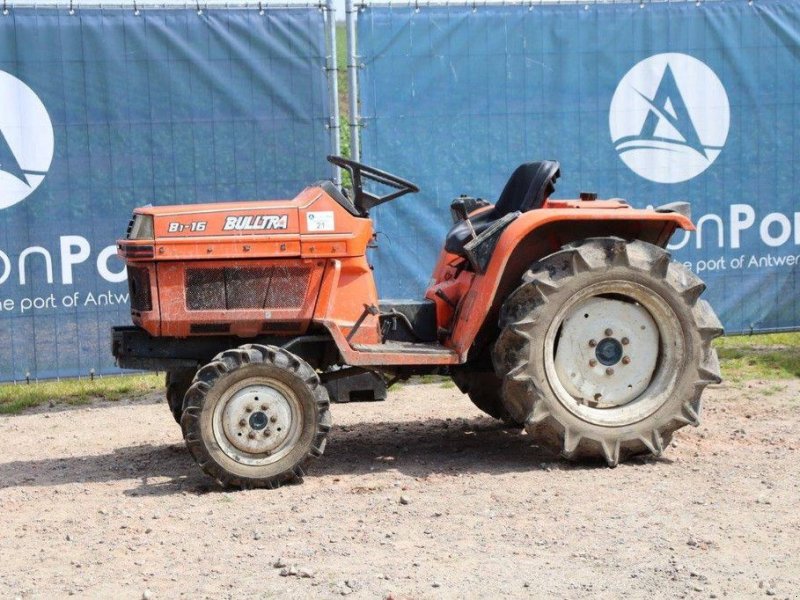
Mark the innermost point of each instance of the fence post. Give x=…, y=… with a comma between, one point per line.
x=352, y=80
x=332, y=71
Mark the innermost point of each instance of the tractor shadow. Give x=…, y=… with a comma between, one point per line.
x=443, y=447
x=147, y=464
x=413, y=448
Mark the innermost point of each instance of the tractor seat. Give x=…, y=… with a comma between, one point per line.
x=528, y=187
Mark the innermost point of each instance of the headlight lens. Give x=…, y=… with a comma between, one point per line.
x=141, y=228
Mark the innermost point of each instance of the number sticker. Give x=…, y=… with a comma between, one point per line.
x=320, y=220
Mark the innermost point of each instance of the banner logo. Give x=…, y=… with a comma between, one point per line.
x=669, y=118
x=26, y=141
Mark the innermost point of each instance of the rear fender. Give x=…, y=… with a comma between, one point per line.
x=536, y=234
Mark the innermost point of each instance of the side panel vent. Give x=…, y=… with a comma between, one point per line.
x=231, y=288
x=139, y=288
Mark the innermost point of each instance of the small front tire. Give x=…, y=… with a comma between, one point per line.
x=255, y=416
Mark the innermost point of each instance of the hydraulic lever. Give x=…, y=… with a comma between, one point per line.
x=459, y=208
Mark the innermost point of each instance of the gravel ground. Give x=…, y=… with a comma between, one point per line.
x=416, y=497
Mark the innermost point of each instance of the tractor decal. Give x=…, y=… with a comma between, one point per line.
x=256, y=223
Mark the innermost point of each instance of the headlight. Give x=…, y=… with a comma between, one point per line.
x=141, y=228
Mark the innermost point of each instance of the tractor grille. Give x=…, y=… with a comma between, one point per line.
x=139, y=288
x=233, y=288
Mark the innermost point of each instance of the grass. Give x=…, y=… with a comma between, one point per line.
x=16, y=397
x=341, y=65
x=773, y=389
x=344, y=97
x=772, y=356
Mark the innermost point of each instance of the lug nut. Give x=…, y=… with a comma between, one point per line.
x=252, y=435
x=609, y=333
x=625, y=341
x=609, y=371
x=248, y=409
x=273, y=419
x=626, y=360
x=242, y=423
x=263, y=407
x=592, y=363
x=266, y=433
x=592, y=343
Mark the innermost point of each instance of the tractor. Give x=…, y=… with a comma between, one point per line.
x=566, y=317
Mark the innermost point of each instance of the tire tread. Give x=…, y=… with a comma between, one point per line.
x=233, y=359
x=518, y=322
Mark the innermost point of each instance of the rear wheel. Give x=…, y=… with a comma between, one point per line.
x=605, y=349
x=255, y=416
x=177, y=383
x=483, y=387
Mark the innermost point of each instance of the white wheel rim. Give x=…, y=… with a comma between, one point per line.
x=258, y=422
x=607, y=351
x=622, y=307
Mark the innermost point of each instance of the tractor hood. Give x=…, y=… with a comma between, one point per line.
x=223, y=219
x=313, y=224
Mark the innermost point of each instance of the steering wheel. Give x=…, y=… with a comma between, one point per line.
x=364, y=200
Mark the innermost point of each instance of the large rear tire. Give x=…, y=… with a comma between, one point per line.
x=255, y=416
x=483, y=387
x=605, y=349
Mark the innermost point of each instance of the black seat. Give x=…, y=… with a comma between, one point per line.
x=528, y=187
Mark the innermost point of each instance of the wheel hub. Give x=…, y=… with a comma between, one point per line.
x=257, y=419
x=607, y=351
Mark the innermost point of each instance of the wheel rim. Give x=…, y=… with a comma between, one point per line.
x=257, y=422
x=611, y=352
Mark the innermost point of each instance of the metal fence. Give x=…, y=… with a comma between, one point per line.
x=105, y=109
x=650, y=101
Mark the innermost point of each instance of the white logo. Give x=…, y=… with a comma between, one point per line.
x=256, y=223
x=26, y=141
x=669, y=118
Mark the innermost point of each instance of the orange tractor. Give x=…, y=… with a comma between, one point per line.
x=567, y=317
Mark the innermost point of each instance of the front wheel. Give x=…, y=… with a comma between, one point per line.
x=255, y=416
x=605, y=349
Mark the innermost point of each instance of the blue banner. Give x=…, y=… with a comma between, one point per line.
x=654, y=103
x=105, y=110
